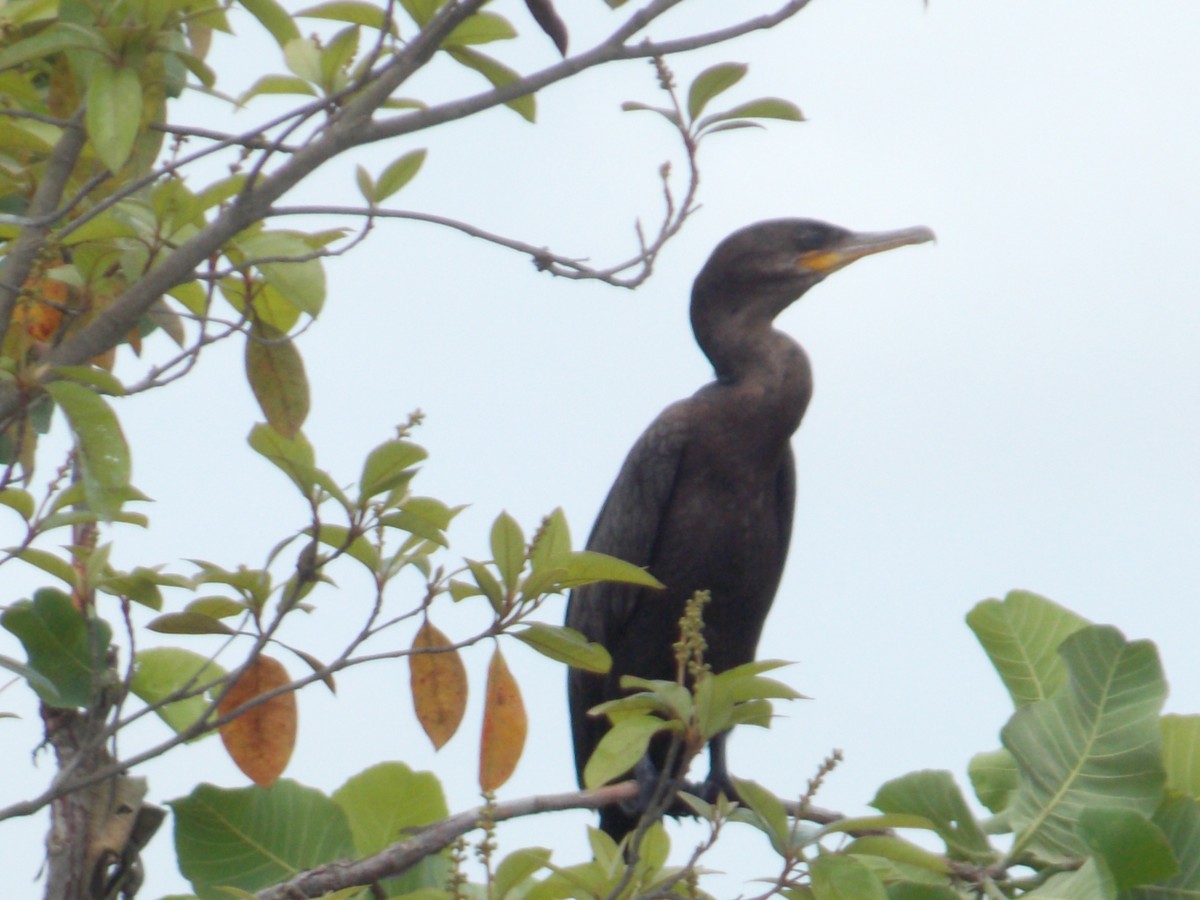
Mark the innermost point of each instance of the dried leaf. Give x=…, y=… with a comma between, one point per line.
x=439, y=685
x=261, y=739
x=504, y=726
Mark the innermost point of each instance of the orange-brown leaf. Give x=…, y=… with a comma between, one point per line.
x=261, y=739
x=439, y=685
x=504, y=726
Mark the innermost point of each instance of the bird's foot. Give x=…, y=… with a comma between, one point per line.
x=712, y=787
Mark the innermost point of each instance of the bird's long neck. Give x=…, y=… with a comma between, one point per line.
x=763, y=375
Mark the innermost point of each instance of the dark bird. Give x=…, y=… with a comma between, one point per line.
x=704, y=499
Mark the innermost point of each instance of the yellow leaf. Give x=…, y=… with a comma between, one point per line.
x=504, y=726
x=439, y=685
x=261, y=739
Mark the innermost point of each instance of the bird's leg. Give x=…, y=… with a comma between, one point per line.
x=718, y=781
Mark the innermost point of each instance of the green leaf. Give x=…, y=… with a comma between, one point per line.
x=838, y=877
x=352, y=11
x=1097, y=742
x=669, y=114
x=47, y=562
x=711, y=82
x=303, y=59
x=366, y=186
x=103, y=453
x=216, y=607
x=1090, y=882
x=18, y=500
x=421, y=10
x=386, y=802
x=763, y=108
x=188, y=623
x=65, y=647
x=995, y=778
x=276, y=375
x=359, y=548
x=276, y=84
x=772, y=818
x=508, y=549
x=899, y=850
x=1021, y=634
x=252, y=838
x=935, y=796
x=387, y=466
x=274, y=18
x=481, y=28
x=620, y=749
x=1132, y=849
x=299, y=281
x=294, y=457
x=114, y=110
x=552, y=543
x=566, y=645
x=488, y=584
x=103, y=381
x=1181, y=753
x=587, y=567
x=161, y=672
x=516, y=869
x=397, y=175
x=499, y=75
x=1179, y=820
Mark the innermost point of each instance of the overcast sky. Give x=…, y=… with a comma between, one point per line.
x=1013, y=407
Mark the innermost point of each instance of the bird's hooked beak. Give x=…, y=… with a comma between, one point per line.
x=856, y=246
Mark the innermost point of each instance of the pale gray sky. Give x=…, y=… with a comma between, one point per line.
x=1013, y=407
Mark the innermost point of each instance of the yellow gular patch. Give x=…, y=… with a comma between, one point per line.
x=819, y=260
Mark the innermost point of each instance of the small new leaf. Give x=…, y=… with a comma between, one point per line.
x=711, y=82
x=397, y=175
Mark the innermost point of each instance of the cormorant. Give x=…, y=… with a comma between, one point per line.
x=704, y=499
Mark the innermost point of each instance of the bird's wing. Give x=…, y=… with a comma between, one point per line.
x=627, y=528
x=785, y=493
x=629, y=523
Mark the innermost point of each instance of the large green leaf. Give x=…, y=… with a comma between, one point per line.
x=934, y=795
x=64, y=646
x=162, y=671
x=251, y=838
x=1097, y=742
x=103, y=454
x=1021, y=635
x=382, y=804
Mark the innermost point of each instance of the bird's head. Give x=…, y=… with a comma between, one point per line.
x=763, y=268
